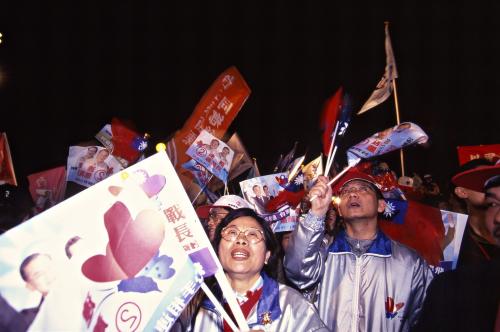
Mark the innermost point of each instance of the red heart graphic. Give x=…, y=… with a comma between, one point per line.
x=399, y=306
x=103, y=268
x=115, y=190
x=132, y=243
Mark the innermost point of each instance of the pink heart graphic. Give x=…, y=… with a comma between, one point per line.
x=132, y=244
x=115, y=190
x=153, y=185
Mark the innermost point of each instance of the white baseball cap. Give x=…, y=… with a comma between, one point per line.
x=232, y=202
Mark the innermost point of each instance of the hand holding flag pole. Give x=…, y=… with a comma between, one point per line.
x=338, y=176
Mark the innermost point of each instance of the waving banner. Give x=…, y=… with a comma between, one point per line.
x=214, y=113
x=391, y=139
x=212, y=153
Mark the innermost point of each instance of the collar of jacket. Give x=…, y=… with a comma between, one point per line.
x=268, y=305
x=381, y=246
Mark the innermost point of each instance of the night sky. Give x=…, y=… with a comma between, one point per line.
x=70, y=66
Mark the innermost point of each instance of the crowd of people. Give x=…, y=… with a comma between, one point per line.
x=337, y=270
x=356, y=277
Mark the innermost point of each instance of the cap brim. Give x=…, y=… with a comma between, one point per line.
x=354, y=175
x=474, y=179
x=204, y=210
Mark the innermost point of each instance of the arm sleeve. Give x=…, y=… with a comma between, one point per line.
x=422, y=277
x=305, y=255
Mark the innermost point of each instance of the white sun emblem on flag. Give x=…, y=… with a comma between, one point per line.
x=142, y=146
x=299, y=179
x=390, y=210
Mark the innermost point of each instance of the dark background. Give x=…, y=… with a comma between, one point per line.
x=69, y=67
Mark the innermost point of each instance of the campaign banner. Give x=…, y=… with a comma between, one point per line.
x=213, y=154
x=47, y=188
x=284, y=220
x=468, y=153
x=260, y=191
x=105, y=136
x=391, y=139
x=214, y=113
x=108, y=258
x=7, y=174
x=90, y=164
x=454, y=226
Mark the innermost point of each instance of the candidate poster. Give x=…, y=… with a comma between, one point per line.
x=107, y=259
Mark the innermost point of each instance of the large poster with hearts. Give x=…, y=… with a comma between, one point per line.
x=109, y=258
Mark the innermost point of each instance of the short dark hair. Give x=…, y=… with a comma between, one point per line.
x=269, y=238
x=68, y=245
x=25, y=263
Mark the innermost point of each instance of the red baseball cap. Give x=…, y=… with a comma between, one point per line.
x=477, y=179
x=352, y=175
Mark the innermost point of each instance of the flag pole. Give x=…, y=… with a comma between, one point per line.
x=329, y=156
x=335, y=179
x=401, y=155
x=219, y=307
x=201, y=190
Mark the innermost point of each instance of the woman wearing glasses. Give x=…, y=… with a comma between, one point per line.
x=247, y=250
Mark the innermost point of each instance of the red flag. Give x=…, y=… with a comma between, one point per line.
x=214, y=113
x=468, y=153
x=47, y=188
x=126, y=142
x=291, y=195
x=7, y=174
x=328, y=118
x=422, y=230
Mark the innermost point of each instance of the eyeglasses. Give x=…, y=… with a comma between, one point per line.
x=216, y=215
x=353, y=189
x=253, y=235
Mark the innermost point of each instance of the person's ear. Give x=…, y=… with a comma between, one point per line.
x=381, y=205
x=461, y=192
